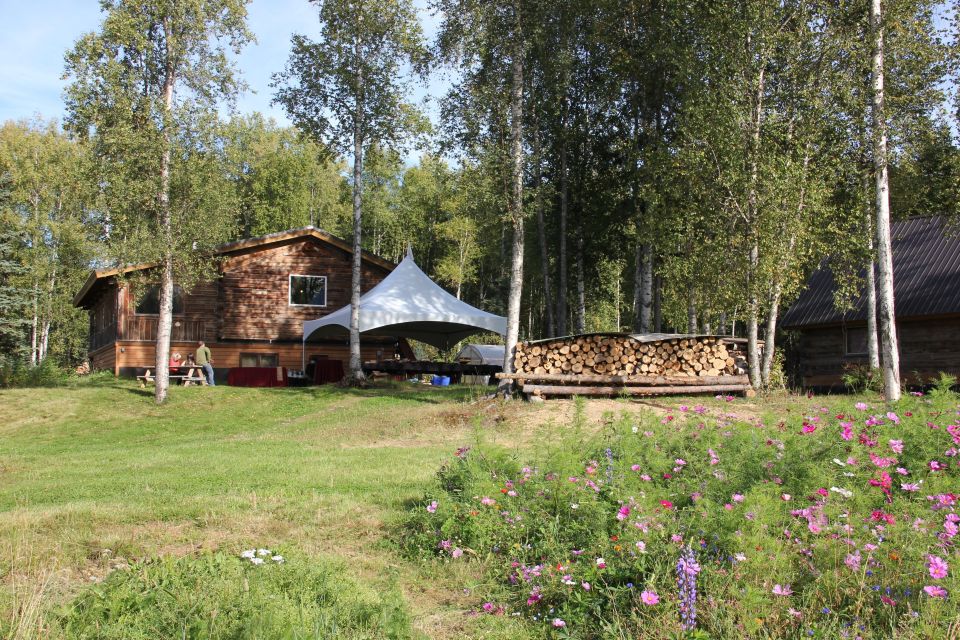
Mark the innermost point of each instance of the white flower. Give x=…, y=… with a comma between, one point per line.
x=574, y=506
x=636, y=429
x=256, y=560
x=277, y=559
x=263, y=552
x=249, y=553
x=846, y=493
x=839, y=462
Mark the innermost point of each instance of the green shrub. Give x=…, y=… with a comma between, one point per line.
x=859, y=378
x=218, y=596
x=45, y=374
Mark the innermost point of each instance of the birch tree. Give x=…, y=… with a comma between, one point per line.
x=145, y=88
x=348, y=90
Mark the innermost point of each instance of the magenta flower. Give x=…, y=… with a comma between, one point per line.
x=649, y=598
x=559, y=623
x=861, y=406
x=847, y=432
x=783, y=590
x=738, y=497
x=432, y=507
x=935, y=592
x=938, y=567
x=896, y=446
x=634, y=467
x=623, y=513
x=535, y=597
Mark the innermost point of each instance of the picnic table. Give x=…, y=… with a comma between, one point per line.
x=186, y=374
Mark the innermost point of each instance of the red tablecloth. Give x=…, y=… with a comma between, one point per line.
x=326, y=371
x=257, y=377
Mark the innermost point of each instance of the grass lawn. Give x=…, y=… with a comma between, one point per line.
x=94, y=476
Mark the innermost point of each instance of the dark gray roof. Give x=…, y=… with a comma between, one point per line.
x=926, y=278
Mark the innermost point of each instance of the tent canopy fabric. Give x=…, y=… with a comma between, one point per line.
x=408, y=304
x=481, y=354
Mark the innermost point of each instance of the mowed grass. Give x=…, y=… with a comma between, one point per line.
x=95, y=476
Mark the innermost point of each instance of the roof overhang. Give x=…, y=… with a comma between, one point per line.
x=232, y=248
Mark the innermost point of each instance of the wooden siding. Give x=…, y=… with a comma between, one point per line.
x=103, y=320
x=104, y=358
x=254, y=291
x=927, y=347
x=195, y=323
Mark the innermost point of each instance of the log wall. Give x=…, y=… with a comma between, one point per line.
x=927, y=347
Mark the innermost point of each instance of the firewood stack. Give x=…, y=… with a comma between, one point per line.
x=611, y=364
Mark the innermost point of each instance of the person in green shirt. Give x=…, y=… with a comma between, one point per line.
x=205, y=361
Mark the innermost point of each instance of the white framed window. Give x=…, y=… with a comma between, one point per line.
x=308, y=291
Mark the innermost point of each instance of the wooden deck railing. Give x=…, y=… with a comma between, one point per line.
x=144, y=328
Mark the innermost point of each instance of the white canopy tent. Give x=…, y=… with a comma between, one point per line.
x=408, y=304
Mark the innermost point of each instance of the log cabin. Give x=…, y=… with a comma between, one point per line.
x=250, y=316
x=926, y=266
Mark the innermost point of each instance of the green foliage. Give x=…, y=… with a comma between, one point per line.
x=218, y=596
x=943, y=387
x=46, y=374
x=788, y=519
x=858, y=378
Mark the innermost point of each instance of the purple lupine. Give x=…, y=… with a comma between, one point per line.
x=687, y=570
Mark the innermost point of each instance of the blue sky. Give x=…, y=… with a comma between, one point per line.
x=35, y=34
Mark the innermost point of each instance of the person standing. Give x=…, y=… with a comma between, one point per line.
x=205, y=360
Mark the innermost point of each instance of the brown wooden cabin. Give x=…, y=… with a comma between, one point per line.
x=251, y=315
x=926, y=265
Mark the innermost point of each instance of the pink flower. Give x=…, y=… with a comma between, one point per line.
x=935, y=592
x=535, y=597
x=649, y=598
x=938, y=567
x=488, y=501
x=896, y=446
x=634, y=467
x=601, y=563
x=624, y=513
x=909, y=486
x=785, y=497
x=847, y=430
x=809, y=428
x=641, y=546
x=852, y=561
x=432, y=507
x=585, y=585
x=890, y=602
x=737, y=497
x=894, y=418
x=559, y=623
x=936, y=466
x=676, y=537
x=683, y=409
x=489, y=607
x=784, y=590
x=666, y=504
x=457, y=552
x=645, y=477
x=861, y=406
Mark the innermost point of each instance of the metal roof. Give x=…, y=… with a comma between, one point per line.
x=926, y=278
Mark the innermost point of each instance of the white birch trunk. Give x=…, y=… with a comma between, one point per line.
x=888, y=327
x=753, y=303
x=516, y=213
x=356, y=371
x=165, y=315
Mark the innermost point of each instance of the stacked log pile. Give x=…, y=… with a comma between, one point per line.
x=612, y=364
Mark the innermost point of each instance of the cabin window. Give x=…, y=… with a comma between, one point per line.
x=259, y=360
x=308, y=291
x=856, y=342
x=149, y=303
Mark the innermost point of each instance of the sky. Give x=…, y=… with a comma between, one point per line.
x=35, y=35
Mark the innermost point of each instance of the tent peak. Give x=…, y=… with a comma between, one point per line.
x=409, y=253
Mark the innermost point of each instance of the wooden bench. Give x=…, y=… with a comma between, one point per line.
x=187, y=379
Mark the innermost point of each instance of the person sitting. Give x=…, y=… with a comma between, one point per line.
x=176, y=360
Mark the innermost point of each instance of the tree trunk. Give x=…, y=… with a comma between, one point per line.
x=581, y=314
x=34, y=324
x=542, y=237
x=888, y=326
x=657, y=304
x=562, y=275
x=770, y=334
x=165, y=314
x=753, y=303
x=873, y=345
x=691, y=311
x=355, y=375
x=516, y=212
